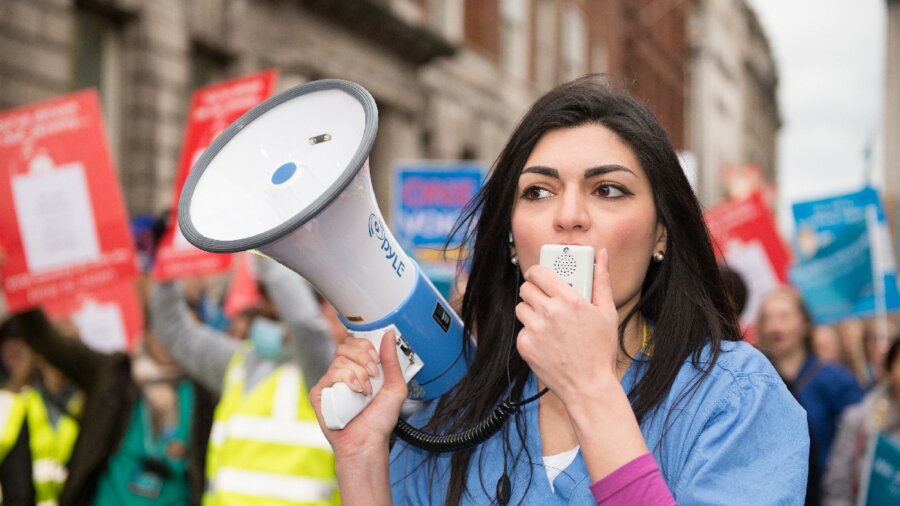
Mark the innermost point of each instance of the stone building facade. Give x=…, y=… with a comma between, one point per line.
x=734, y=113
x=451, y=77
x=892, y=116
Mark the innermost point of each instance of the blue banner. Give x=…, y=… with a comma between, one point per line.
x=428, y=199
x=845, y=262
x=883, y=478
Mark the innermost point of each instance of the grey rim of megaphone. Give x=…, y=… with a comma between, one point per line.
x=356, y=163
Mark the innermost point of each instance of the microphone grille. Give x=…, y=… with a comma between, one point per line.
x=565, y=265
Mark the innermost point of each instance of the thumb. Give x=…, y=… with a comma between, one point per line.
x=602, y=289
x=393, y=376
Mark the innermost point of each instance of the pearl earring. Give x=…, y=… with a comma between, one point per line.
x=659, y=256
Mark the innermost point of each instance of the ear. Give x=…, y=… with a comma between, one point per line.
x=662, y=242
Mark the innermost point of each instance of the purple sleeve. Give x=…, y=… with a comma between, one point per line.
x=637, y=482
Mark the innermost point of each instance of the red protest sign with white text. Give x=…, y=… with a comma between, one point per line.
x=63, y=226
x=108, y=319
x=213, y=108
x=745, y=235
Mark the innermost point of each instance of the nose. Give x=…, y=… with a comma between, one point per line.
x=571, y=213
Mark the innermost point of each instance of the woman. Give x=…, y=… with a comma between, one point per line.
x=648, y=371
x=823, y=389
x=877, y=415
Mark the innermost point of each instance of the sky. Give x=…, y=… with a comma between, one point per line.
x=831, y=57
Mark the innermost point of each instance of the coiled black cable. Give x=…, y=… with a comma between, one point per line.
x=467, y=438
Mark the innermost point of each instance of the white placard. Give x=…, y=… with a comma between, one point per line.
x=101, y=326
x=55, y=218
x=749, y=259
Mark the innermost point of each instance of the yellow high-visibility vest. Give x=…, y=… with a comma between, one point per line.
x=12, y=414
x=51, y=446
x=266, y=448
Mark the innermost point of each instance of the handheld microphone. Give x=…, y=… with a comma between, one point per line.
x=574, y=263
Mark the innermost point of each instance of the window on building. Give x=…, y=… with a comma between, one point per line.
x=97, y=63
x=208, y=65
x=545, y=43
x=574, y=43
x=513, y=15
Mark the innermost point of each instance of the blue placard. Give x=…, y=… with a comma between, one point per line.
x=428, y=199
x=883, y=483
x=842, y=245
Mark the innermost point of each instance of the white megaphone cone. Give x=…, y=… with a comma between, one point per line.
x=290, y=178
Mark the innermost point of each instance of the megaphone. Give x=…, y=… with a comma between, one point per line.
x=290, y=179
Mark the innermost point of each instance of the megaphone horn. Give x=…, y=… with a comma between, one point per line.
x=290, y=178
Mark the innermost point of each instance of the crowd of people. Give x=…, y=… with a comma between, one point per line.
x=194, y=414
x=645, y=394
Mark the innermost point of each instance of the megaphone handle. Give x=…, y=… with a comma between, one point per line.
x=340, y=404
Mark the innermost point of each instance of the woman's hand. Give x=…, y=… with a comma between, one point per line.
x=572, y=346
x=568, y=342
x=367, y=435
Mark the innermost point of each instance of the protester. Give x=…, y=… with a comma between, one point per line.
x=144, y=443
x=877, y=414
x=46, y=407
x=53, y=407
x=15, y=454
x=264, y=429
x=651, y=399
x=16, y=360
x=824, y=390
x=735, y=286
x=855, y=336
x=826, y=344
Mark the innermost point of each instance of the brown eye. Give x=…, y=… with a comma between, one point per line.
x=535, y=193
x=611, y=191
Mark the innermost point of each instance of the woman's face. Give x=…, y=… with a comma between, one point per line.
x=827, y=344
x=782, y=325
x=584, y=185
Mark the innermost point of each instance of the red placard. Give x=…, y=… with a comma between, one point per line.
x=63, y=226
x=108, y=319
x=745, y=236
x=213, y=108
x=243, y=292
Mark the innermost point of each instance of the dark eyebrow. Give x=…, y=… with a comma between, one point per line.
x=588, y=173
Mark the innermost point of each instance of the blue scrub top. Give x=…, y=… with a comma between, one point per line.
x=740, y=434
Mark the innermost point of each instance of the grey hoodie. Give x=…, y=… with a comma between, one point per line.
x=204, y=352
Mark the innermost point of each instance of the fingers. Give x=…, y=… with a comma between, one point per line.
x=545, y=280
x=361, y=352
x=355, y=362
x=602, y=290
x=542, y=287
x=351, y=373
x=393, y=376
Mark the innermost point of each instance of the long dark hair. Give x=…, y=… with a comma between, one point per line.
x=684, y=295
